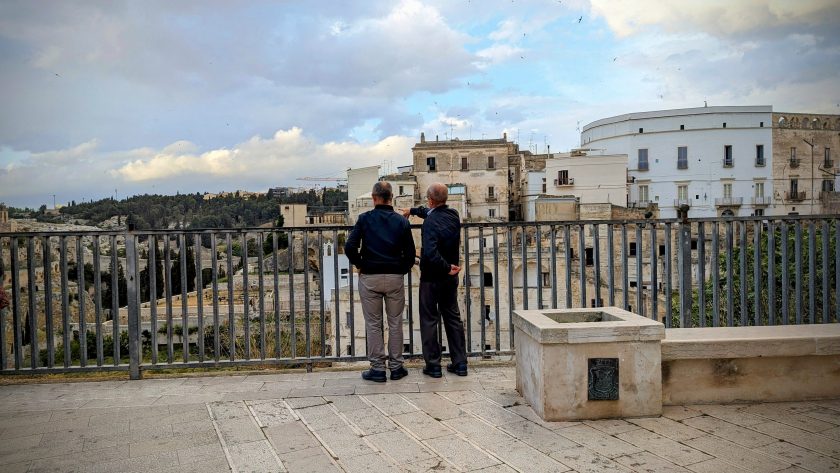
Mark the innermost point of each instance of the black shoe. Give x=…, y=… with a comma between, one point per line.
x=398, y=373
x=433, y=371
x=460, y=369
x=374, y=375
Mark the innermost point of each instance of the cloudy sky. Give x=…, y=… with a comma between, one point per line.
x=105, y=97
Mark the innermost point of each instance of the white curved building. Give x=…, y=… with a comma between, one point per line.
x=720, y=160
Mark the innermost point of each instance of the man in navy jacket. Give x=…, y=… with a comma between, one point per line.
x=387, y=254
x=439, y=267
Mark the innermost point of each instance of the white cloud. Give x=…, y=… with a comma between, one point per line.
x=498, y=53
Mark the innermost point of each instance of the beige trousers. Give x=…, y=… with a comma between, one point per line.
x=376, y=290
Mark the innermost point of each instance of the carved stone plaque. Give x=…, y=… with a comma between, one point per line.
x=603, y=379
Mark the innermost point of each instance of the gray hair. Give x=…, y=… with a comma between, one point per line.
x=438, y=193
x=382, y=190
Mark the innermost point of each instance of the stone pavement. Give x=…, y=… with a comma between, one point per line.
x=333, y=421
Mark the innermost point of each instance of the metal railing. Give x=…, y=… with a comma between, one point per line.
x=728, y=201
x=146, y=300
x=795, y=196
x=761, y=200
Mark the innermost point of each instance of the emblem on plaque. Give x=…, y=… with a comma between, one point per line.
x=603, y=379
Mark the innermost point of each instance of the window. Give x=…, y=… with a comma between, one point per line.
x=761, y=124
x=759, y=155
x=491, y=162
x=546, y=279
x=727, y=156
x=643, y=193
x=491, y=192
x=827, y=159
x=682, y=157
x=643, y=160
x=828, y=185
x=402, y=190
x=759, y=212
x=562, y=178
x=727, y=190
x=632, y=248
x=682, y=127
x=431, y=164
x=794, y=186
x=759, y=189
x=682, y=192
x=724, y=124
x=590, y=256
x=661, y=250
x=488, y=279
x=465, y=166
x=543, y=186
x=491, y=213
x=641, y=130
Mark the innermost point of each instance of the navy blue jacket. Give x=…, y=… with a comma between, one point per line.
x=387, y=246
x=441, y=241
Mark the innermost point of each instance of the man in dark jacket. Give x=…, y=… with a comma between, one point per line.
x=439, y=260
x=387, y=254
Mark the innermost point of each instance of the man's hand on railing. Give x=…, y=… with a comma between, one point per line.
x=404, y=212
x=453, y=269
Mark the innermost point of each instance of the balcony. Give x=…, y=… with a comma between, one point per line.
x=762, y=201
x=729, y=201
x=569, y=182
x=795, y=196
x=728, y=163
x=828, y=163
x=643, y=166
x=681, y=202
x=640, y=204
x=794, y=163
x=492, y=198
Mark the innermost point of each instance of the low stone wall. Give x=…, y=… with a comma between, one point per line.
x=746, y=364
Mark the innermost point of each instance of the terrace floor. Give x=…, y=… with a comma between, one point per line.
x=333, y=421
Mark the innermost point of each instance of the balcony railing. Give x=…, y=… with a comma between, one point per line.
x=828, y=163
x=640, y=204
x=643, y=166
x=728, y=201
x=761, y=201
x=564, y=182
x=194, y=299
x=794, y=162
x=492, y=198
x=795, y=196
x=680, y=202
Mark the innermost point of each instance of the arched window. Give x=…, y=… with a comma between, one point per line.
x=782, y=122
x=806, y=122
x=815, y=124
x=727, y=213
x=794, y=122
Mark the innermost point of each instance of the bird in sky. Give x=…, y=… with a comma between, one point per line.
x=580, y=19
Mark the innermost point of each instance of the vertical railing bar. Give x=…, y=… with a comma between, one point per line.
x=567, y=236
x=307, y=314
x=654, y=283
x=742, y=266
x=214, y=259
x=3, y=312
x=715, y=275
x=730, y=305
x=246, y=296
x=757, y=271
x=261, y=285
x=185, y=321
x=797, y=242
x=170, y=331
x=825, y=258
x=468, y=288
x=292, y=328
x=596, y=261
x=276, y=294
x=48, y=315
x=481, y=298
x=352, y=322
x=553, y=248
x=582, y=263
x=812, y=272
x=511, y=302
x=701, y=272
x=199, y=296
x=640, y=302
x=65, y=296
x=496, y=280
x=80, y=276
x=625, y=267
x=323, y=340
x=538, y=241
x=32, y=327
x=16, y=310
x=771, y=273
x=837, y=270
x=231, y=314
x=669, y=275
x=409, y=310
x=336, y=282
x=686, y=279
x=132, y=304
x=115, y=300
x=524, y=267
x=611, y=263
x=785, y=277
x=151, y=265
x=97, y=287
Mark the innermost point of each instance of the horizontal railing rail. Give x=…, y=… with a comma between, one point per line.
x=160, y=299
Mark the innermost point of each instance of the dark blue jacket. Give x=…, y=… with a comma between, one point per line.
x=441, y=241
x=387, y=246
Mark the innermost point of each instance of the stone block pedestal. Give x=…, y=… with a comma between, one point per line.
x=574, y=364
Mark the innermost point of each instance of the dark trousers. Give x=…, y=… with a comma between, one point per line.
x=439, y=299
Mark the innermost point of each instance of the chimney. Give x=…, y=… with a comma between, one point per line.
x=436, y=138
x=504, y=135
x=422, y=137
